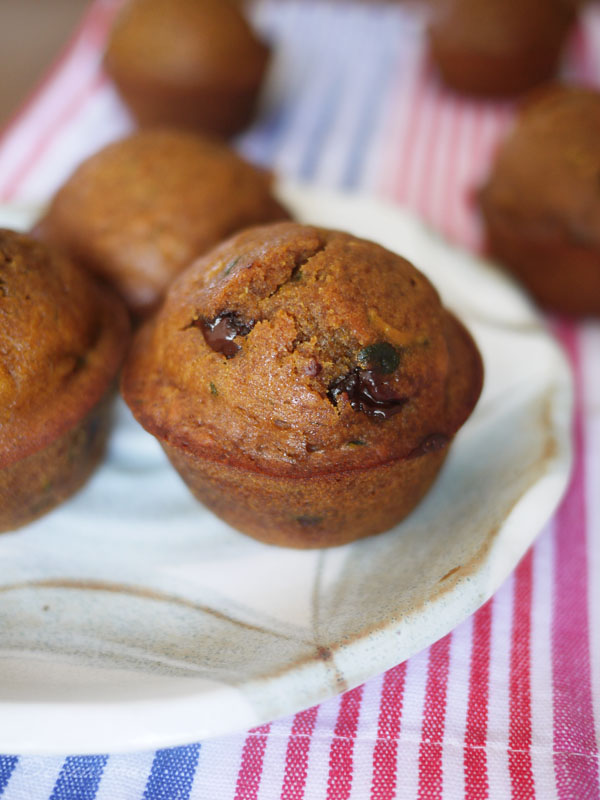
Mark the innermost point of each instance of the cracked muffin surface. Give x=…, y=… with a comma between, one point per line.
x=296, y=349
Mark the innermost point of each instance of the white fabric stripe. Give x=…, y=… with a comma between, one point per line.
x=402, y=109
x=419, y=149
x=369, y=51
x=478, y=168
x=317, y=62
x=217, y=770
x=591, y=21
x=407, y=780
x=457, y=700
x=274, y=759
x=317, y=772
x=125, y=776
x=76, y=71
x=590, y=353
x=100, y=119
x=366, y=738
x=499, y=697
x=440, y=189
x=287, y=74
x=458, y=212
x=542, y=720
x=33, y=777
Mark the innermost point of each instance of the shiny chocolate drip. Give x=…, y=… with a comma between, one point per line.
x=221, y=332
x=367, y=392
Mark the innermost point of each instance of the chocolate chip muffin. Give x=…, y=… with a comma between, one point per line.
x=189, y=63
x=541, y=204
x=62, y=340
x=498, y=47
x=144, y=207
x=305, y=383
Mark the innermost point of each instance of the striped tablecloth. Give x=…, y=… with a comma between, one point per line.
x=508, y=704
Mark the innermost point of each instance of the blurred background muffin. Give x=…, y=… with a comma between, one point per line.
x=541, y=204
x=141, y=209
x=62, y=340
x=498, y=47
x=191, y=63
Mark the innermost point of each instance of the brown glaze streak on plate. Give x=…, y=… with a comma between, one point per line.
x=137, y=591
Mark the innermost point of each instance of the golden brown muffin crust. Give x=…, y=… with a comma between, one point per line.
x=297, y=350
x=141, y=209
x=61, y=341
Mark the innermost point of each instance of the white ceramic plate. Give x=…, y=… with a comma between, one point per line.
x=132, y=618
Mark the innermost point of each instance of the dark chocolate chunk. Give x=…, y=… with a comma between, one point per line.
x=220, y=332
x=367, y=392
x=380, y=356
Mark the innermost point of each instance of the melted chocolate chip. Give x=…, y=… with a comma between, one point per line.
x=220, y=332
x=367, y=392
x=430, y=444
x=381, y=357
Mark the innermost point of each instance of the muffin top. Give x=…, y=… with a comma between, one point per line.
x=141, y=209
x=186, y=42
x=293, y=349
x=546, y=173
x=500, y=26
x=61, y=342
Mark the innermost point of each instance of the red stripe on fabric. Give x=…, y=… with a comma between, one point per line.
x=385, y=753
x=434, y=719
x=576, y=751
x=448, y=189
x=250, y=772
x=49, y=76
x=97, y=33
x=414, y=111
x=341, y=767
x=520, y=727
x=581, y=55
x=296, y=757
x=475, y=758
x=16, y=180
x=430, y=140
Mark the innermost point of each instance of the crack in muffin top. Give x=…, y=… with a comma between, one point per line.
x=296, y=349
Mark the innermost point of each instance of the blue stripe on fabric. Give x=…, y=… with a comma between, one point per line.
x=365, y=129
x=172, y=773
x=261, y=142
x=79, y=778
x=316, y=137
x=7, y=765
